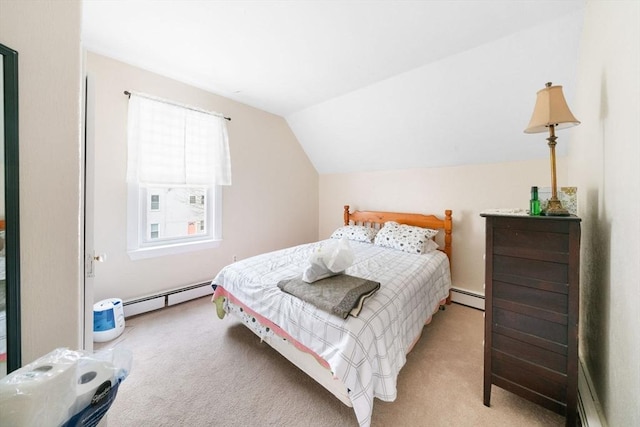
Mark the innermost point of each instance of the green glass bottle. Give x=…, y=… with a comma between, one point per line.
x=534, y=203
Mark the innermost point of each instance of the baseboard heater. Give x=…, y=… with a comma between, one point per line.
x=166, y=299
x=464, y=297
x=588, y=403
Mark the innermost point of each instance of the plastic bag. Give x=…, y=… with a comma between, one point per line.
x=63, y=388
x=341, y=257
x=330, y=259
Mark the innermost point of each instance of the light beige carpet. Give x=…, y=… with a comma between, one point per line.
x=190, y=368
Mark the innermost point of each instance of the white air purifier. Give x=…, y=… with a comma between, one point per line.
x=108, y=319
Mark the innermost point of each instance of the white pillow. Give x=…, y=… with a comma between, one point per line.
x=329, y=260
x=357, y=233
x=407, y=238
x=430, y=246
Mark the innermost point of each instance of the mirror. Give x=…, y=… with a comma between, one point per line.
x=10, y=347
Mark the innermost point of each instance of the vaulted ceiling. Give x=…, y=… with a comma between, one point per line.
x=364, y=85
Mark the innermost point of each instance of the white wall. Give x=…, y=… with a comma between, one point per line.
x=273, y=202
x=46, y=35
x=604, y=162
x=467, y=190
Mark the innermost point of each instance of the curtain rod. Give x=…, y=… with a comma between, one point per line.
x=126, y=92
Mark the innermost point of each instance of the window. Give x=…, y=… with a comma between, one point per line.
x=196, y=199
x=178, y=158
x=153, y=231
x=155, y=202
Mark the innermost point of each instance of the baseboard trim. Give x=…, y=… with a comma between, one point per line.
x=465, y=297
x=166, y=299
x=589, y=408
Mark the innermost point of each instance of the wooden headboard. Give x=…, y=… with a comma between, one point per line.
x=377, y=219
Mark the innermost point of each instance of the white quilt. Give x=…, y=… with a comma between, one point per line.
x=366, y=352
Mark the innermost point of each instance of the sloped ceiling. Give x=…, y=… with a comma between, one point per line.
x=364, y=85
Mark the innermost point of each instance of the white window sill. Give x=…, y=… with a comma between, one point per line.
x=172, y=249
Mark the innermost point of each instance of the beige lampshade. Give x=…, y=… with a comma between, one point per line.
x=551, y=109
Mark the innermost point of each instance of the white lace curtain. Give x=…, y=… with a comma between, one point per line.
x=170, y=144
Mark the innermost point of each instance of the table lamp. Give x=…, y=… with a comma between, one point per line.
x=551, y=112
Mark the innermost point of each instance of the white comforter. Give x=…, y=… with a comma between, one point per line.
x=366, y=352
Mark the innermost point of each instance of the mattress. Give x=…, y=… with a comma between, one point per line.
x=366, y=352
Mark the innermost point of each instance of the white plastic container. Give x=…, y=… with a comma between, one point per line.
x=108, y=319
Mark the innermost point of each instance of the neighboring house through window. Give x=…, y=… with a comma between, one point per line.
x=178, y=159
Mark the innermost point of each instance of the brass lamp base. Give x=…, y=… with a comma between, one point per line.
x=554, y=208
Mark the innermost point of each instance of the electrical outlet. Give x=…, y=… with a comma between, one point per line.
x=235, y=258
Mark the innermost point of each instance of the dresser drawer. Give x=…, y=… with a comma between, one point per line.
x=531, y=295
x=555, y=360
x=525, y=239
x=503, y=224
x=531, y=376
x=528, y=271
x=527, y=324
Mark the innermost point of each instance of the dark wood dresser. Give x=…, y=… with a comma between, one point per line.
x=531, y=309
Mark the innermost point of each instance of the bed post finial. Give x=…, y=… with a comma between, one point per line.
x=346, y=214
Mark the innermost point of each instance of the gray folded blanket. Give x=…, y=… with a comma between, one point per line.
x=340, y=295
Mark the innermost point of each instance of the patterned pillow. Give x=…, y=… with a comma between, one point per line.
x=358, y=233
x=407, y=238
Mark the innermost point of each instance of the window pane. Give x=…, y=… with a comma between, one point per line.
x=183, y=214
x=154, y=231
x=155, y=202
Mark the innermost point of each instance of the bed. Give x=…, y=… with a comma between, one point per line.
x=355, y=358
